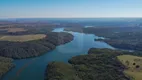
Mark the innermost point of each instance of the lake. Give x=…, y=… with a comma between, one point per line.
x=34, y=68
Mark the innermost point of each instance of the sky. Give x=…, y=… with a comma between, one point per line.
x=70, y=8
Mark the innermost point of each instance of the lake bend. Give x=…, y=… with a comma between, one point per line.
x=34, y=68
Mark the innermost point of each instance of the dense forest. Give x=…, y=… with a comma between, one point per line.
x=26, y=49
x=99, y=64
x=120, y=37
x=5, y=65
x=34, y=48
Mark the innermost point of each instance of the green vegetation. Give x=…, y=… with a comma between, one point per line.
x=29, y=39
x=104, y=50
x=22, y=38
x=5, y=65
x=61, y=71
x=133, y=64
x=99, y=64
x=34, y=48
x=120, y=37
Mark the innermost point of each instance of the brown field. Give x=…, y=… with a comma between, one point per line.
x=14, y=29
x=134, y=66
x=22, y=38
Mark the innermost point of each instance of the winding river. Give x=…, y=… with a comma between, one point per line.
x=34, y=68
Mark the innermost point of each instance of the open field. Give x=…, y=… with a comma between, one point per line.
x=133, y=64
x=13, y=29
x=16, y=29
x=22, y=38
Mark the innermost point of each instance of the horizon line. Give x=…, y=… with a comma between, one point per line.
x=65, y=17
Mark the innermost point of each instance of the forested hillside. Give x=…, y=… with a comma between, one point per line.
x=34, y=48
x=119, y=37
x=99, y=64
x=5, y=65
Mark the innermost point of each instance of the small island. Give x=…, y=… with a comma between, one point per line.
x=99, y=39
x=128, y=38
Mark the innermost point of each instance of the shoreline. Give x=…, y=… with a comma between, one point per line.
x=46, y=52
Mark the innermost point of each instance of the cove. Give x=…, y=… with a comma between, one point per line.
x=34, y=68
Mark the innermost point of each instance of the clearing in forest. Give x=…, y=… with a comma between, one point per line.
x=22, y=38
x=133, y=64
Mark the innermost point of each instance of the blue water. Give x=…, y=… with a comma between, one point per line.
x=34, y=68
x=88, y=26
